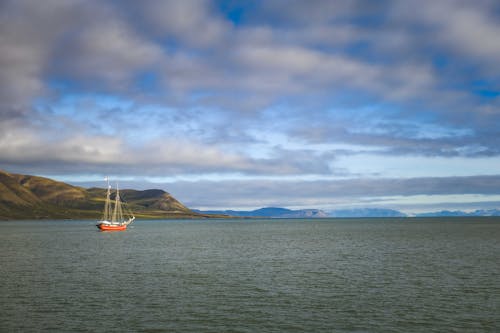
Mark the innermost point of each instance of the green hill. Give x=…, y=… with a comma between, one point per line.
x=32, y=197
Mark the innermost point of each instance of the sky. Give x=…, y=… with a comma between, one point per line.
x=248, y=104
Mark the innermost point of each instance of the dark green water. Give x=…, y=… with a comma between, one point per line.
x=360, y=275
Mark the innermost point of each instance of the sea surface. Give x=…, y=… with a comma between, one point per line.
x=327, y=275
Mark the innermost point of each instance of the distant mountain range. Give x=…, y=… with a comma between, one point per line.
x=274, y=212
x=32, y=197
x=479, y=212
x=366, y=212
x=277, y=212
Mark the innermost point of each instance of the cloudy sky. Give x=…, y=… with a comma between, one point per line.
x=239, y=104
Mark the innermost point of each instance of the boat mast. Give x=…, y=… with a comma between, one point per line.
x=117, y=212
x=107, y=205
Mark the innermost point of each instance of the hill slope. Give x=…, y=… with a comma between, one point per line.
x=32, y=197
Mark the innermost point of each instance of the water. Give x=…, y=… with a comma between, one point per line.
x=359, y=275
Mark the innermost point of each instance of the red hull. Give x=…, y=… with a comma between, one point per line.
x=107, y=227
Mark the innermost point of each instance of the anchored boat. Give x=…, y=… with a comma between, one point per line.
x=116, y=218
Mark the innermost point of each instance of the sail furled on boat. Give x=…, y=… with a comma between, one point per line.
x=117, y=212
x=107, y=205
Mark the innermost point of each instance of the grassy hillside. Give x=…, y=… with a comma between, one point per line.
x=32, y=197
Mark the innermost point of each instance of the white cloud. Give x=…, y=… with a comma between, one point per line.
x=193, y=22
x=302, y=71
x=468, y=27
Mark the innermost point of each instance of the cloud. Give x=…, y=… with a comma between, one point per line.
x=107, y=52
x=398, y=138
x=25, y=50
x=187, y=88
x=470, y=29
x=103, y=48
x=101, y=51
x=191, y=22
x=83, y=153
x=249, y=194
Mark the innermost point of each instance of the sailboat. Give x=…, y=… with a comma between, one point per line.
x=115, y=219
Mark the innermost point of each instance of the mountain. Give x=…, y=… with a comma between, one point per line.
x=273, y=212
x=277, y=212
x=479, y=212
x=366, y=212
x=32, y=197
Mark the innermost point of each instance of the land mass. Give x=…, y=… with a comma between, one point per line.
x=33, y=197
